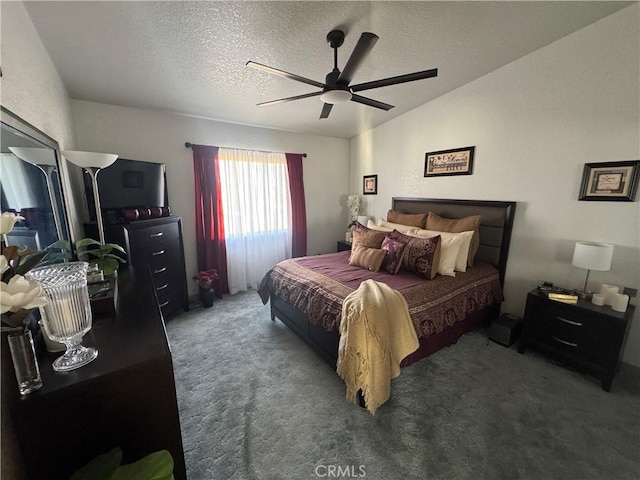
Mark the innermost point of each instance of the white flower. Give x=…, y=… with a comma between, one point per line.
x=353, y=202
x=21, y=293
x=7, y=221
x=4, y=264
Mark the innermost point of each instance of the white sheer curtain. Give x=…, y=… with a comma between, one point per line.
x=256, y=204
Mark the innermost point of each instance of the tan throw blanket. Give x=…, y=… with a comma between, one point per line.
x=376, y=333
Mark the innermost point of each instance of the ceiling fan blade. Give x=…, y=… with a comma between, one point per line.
x=371, y=102
x=282, y=73
x=363, y=47
x=326, y=110
x=289, y=99
x=385, y=82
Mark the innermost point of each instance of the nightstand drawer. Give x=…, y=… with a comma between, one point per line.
x=568, y=328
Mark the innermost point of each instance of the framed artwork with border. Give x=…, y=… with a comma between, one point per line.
x=610, y=181
x=443, y=163
x=370, y=185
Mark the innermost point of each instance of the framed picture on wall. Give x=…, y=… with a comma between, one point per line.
x=458, y=161
x=370, y=185
x=610, y=181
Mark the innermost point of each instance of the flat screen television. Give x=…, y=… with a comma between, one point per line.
x=128, y=184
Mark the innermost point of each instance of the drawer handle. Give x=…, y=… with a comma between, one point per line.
x=569, y=344
x=162, y=305
x=570, y=322
x=160, y=252
x=160, y=270
x=162, y=287
x=159, y=234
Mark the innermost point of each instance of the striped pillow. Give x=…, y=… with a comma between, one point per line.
x=369, y=258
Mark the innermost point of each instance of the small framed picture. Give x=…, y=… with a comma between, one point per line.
x=370, y=185
x=610, y=181
x=458, y=161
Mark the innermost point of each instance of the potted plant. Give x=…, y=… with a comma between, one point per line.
x=205, y=281
x=101, y=255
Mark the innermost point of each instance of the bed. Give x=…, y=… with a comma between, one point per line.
x=306, y=293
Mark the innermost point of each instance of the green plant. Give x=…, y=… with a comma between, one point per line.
x=107, y=262
x=155, y=466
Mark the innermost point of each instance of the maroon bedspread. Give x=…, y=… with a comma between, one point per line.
x=317, y=286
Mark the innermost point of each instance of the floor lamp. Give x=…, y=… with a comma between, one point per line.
x=92, y=162
x=45, y=160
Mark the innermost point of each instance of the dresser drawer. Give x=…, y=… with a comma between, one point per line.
x=152, y=234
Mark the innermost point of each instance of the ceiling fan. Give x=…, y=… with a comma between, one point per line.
x=337, y=88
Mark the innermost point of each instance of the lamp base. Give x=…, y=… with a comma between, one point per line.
x=583, y=294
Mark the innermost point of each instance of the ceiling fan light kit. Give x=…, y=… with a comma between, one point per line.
x=336, y=96
x=337, y=88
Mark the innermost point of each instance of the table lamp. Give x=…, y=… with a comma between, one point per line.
x=45, y=160
x=92, y=162
x=592, y=256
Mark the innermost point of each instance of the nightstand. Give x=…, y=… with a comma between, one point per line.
x=343, y=246
x=587, y=336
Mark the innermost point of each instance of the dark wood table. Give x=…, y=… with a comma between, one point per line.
x=126, y=397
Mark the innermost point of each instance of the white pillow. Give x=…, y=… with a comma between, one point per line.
x=449, y=248
x=406, y=229
x=371, y=224
x=463, y=252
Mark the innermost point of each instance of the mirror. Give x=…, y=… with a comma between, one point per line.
x=30, y=184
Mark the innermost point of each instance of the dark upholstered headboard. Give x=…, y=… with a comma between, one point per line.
x=496, y=223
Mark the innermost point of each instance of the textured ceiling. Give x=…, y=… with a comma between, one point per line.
x=189, y=57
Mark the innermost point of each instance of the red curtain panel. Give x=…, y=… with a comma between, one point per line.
x=298, y=208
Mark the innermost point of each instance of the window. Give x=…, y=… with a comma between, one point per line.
x=255, y=201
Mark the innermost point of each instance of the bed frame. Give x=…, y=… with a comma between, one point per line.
x=496, y=224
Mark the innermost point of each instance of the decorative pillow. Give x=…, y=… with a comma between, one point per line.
x=372, y=226
x=463, y=251
x=395, y=251
x=421, y=255
x=457, y=225
x=396, y=226
x=449, y=248
x=369, y=258
x=366, y=237
x=412, y=219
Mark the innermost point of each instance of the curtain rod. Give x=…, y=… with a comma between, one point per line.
x=189, y=145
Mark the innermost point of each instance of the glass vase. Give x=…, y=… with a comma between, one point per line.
x=25, y=363
x=67, y=316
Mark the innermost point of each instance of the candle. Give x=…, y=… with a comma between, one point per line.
x=608, y=291
x=597, y=299
x=619, y=302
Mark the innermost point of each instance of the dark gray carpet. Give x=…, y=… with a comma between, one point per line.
x=256, y=403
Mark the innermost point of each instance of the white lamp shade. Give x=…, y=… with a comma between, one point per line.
x=90, y=159
x=35, y=156
x=592, y=256
x=363, y=220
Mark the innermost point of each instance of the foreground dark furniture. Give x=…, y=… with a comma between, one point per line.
x=587, y=336
x=125, y=397
x=495, y=235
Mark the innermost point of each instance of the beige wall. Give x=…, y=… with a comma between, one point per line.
x=160, y=137
x=31, y=88
x=534, y=123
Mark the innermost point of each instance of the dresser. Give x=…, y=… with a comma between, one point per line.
x=587, y=336
x=126, y=397
x=157, y=243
